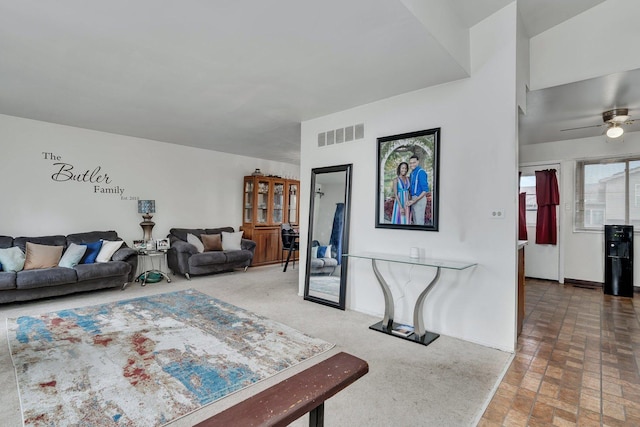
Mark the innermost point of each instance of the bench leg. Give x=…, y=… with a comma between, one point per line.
x=316, y=416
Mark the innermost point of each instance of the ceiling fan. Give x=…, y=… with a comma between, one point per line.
x=613, y=120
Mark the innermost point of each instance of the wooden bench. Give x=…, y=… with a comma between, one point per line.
x=285, y=402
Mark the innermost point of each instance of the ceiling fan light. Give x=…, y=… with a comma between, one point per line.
x=615, y=132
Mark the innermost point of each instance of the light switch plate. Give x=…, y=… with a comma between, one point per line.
x=497, y=214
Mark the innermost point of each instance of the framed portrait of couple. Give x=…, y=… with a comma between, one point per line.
x=407, y=181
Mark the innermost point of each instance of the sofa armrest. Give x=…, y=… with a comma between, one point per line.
x=248, y=245
x=123, y=254
x=129, y=256
x=184, y=247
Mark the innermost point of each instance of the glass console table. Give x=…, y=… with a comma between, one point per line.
x=386, y=325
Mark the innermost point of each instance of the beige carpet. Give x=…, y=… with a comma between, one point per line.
x=445, y=384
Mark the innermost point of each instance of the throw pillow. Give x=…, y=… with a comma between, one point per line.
x=42, y=256
x=93, y=249
x=212, y=242
x=314, y=252
x=232, y=241
x=12, y=259
x=195, y=242
x=324, y=251
x=108, y=249
x=72, y=255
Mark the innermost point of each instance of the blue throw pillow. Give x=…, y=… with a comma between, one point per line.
x=93, y=249
x=322, y=250
x=12, y=259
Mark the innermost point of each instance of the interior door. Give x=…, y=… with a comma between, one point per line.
x=541, y=261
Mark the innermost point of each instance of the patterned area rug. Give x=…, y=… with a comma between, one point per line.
x=145, y=361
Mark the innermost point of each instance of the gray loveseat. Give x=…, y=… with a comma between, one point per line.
x=47, y=282
x=184, y=258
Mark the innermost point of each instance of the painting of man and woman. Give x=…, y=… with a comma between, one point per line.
x=408, y=180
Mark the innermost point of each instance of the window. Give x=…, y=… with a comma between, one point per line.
x=607, y=192
x=528, y=185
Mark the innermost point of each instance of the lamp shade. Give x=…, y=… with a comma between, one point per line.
x=615, y=131
x=146, y=206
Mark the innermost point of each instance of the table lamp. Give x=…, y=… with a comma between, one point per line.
x=146, y=208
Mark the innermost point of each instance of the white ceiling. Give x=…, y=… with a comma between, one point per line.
x=236, y=76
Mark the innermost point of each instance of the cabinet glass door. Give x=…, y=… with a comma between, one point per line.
x=278, y=202
x=292, y=208
x=248, y=201
x=262, y=201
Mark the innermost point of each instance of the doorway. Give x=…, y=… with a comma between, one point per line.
x=541, y=261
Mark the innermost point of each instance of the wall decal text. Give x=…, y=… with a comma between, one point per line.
x=66, y=172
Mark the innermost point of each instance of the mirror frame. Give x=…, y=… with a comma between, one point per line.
x=341, y=304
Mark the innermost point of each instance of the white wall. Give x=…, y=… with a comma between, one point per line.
x=597, y=42
x=478, y=174
x=582, y=252
x=192, y=187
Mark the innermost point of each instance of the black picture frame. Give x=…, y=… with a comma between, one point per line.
x=392, y=152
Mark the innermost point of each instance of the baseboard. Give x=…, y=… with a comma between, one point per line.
x=583, y=283
x=592, y=285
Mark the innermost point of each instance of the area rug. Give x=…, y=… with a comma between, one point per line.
x=145, y=361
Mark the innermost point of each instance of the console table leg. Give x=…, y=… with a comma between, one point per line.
x=418, y=320
x=387, y=321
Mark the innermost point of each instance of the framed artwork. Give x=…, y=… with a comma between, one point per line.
x=162, y=244
x=407, y=181
x=139, y=245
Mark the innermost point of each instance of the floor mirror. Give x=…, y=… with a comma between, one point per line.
x=328, y=239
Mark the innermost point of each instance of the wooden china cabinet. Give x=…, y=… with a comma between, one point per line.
x=268, y=202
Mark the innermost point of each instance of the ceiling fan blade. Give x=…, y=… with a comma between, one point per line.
x=583, y=127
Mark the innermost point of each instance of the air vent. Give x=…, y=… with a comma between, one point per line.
x=338, y=136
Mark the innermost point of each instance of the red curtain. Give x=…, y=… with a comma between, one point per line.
x=522, y=220
x=548, y=197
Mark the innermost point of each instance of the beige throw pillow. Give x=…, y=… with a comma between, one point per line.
x=107, y=250
x=42, y=256
x=211, y=242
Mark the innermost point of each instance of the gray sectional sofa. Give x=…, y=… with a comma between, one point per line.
x=184, y=258
x=47, y=282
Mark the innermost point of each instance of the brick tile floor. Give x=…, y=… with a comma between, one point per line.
x=576, y=362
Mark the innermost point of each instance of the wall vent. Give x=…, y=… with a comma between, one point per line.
x=338, y=136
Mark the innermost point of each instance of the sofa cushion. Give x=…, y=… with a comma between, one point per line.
x=207, y=258
x=12, y=259
x=92, y=236
x=211, y=242
x=6, y=242
x=195, y=241
x=7, y=280
x=42, y=256
x=238, y=256
x=93, y=249
x=44, y=277
x=101, y=270
x=330, y=262
x=72, y=255
x=21, y=242
x=231, y=241
x=108, y=249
